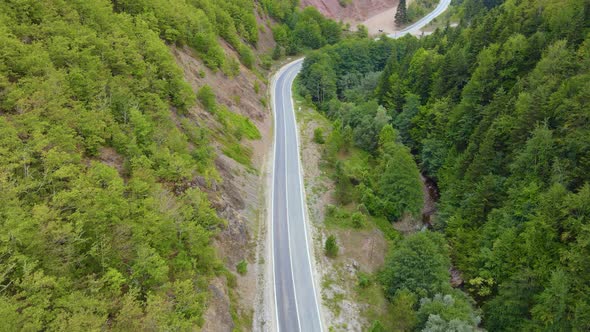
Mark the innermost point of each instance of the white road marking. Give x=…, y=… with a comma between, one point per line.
x=287, y=205
x=272, y=204
x=304, y=206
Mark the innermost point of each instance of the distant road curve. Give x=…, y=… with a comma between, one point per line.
x=296, y=301
x=421, y=23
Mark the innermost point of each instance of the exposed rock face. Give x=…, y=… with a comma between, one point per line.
x=456, y=277
x=219, y=317
x=355, y=11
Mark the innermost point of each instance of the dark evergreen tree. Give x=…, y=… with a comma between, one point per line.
x=401, y=16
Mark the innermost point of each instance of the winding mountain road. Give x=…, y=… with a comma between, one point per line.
x=442, y=6
x=297, y=306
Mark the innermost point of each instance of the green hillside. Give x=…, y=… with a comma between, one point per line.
x=102, y=224
x=95, y=231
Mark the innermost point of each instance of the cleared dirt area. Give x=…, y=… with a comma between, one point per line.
x=382, y=22
x=376, y=15
x=355, y=11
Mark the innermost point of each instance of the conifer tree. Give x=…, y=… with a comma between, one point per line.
x=401, y=16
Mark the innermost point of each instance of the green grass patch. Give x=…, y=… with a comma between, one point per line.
x=342, y=218
x=386, y=228
x=378, y=307
x=238, y=152
x=238, y=125
x=235, y=127
x=242, y=267
x=241, y=317
x=327, y=282
x=337, y=217
x=333, y=302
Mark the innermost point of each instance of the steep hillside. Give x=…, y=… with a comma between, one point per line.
x=122, y=206
x=239, y=195
x=133, y=135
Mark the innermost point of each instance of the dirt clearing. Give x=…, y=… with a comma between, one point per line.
x=382, y=22
x=355, y=11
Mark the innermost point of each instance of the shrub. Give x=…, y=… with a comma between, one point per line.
x=318, y=136
x=362, y=208
x=171, y=35
x=246, y=56
x=377, y=327
x=343, y=190
x=344, y=3
x=231, y=67
x=242, y=267
x=364, y=280
x=331, y=210
x=331, y=246
x=277, y=53
x=239, y=125
x=358, y=220
x=231, y=280
x=256, y=87
x=266, y=62
x=207, y=98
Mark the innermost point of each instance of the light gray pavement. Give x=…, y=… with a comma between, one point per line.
x=297, y=304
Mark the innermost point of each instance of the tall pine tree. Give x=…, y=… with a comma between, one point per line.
x=401, y=16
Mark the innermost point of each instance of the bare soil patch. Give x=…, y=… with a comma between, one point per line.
x=218, y=317
x=382, y=22
x=111, y=157
x=355, y=12
x=365, y=247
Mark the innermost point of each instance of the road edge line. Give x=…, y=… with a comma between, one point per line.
x=289, y=66
x=303, y=197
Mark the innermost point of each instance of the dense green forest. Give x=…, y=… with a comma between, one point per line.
x=302, y=30
x=100, y=224
x=497, y=112
x=100, y=227
x=94, y=231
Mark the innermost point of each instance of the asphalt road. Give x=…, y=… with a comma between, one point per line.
x=296, y=298
x=440, y=8
x=297, y=306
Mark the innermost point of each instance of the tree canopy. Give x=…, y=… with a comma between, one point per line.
x=101, y=226
x=495, y=111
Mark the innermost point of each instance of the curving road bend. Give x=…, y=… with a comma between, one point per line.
x=295, y=296
x=415, y=27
